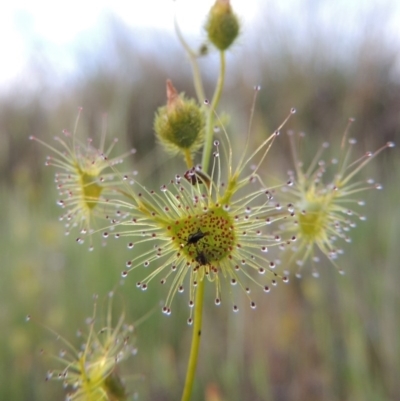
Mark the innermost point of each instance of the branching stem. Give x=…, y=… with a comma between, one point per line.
x=210, y=118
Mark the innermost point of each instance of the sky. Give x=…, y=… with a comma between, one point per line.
x=58, y=27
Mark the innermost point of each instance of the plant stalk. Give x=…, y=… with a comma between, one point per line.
x=198, y=84
x=196, y=335
x=210, y=118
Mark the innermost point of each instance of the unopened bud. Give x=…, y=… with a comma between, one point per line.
x=222, y=25
x=179, y=124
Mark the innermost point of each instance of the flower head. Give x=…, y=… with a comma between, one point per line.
x=204, y=227
x=85, y=178
x=91, y=372
x=325, y=207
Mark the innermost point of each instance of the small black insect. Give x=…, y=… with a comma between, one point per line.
x=203, y=50
x=201, y=258
x=195, y=176
x=194, y=238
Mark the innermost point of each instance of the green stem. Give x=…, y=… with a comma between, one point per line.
x=196, y=335
x=188, y=159
x=210, y=118
x=198, y=83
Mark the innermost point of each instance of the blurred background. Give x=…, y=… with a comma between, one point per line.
x=335, y=338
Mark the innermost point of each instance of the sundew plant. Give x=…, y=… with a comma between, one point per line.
x=91, y=372
x=217, y=221
x=327, y=197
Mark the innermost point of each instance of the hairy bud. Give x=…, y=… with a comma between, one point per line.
x=179, y=125
x=222, y=25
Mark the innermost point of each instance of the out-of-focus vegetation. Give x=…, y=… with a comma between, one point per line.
x=327, y=339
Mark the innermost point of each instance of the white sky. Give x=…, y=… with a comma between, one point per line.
x=58, y=25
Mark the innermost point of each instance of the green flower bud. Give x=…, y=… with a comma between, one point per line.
x=180, y=124
x=222, y=25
